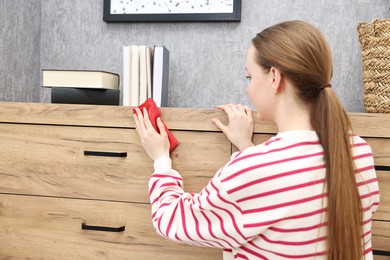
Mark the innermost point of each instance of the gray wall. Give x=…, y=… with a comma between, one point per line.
x=207, y=60
x=20, y=37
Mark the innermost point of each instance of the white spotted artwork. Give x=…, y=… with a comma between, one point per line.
x=171, y=6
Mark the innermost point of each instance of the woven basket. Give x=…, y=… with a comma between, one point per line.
x=374, y=40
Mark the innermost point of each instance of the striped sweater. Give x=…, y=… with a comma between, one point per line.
x=268, y=202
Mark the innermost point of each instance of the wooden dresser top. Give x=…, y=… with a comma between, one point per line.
x=198, y=119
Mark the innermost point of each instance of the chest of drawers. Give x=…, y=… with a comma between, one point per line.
x=73, y=183
x=73, y=179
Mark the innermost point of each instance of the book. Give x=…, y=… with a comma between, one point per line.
x=143, y=88
x=134, y=76
x=149, y=63
x=85, y=96
x=145, y=75
x=160, y=75
x=79, y=79
x=145, y=80
x=126, y=76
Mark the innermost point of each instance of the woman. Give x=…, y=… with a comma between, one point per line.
x=309, y=192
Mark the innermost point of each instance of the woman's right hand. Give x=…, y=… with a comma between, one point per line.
x=239, y=130
x=155, y=144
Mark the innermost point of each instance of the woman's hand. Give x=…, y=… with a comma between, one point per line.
x=155, y=144
x=239, y=131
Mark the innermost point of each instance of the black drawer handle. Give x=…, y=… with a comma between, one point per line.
x=382, y=168
x=107, y=154
x=101, y=228
x=380, y=252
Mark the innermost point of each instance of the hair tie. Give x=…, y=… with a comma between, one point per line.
x=326, y=85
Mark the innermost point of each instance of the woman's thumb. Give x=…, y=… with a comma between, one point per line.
x=218, y=124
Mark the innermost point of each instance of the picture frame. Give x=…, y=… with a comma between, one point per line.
x=115, y=11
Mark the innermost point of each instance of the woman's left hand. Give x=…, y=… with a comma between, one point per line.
x=239, y=131
x=155, y=144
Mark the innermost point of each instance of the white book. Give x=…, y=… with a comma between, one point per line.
x=126, y=76
x=149, y=64
x=142, y=74
x=134, y=76
x=95, y=79
x=160, y=75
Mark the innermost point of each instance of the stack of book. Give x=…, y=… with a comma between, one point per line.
x=145, y=75
x=82, y=86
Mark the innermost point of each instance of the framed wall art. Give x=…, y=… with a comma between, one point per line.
x=172, y=10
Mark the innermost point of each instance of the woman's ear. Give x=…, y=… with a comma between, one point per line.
x=277, y=79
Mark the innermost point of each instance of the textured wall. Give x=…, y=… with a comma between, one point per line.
x=19, y=50
x=207, y=59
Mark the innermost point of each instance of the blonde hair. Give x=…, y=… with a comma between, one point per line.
x=301, y=53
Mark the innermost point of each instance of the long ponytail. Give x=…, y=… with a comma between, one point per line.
x=302, y=54
x=344, y=229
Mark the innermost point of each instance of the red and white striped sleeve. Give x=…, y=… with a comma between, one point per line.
x=209, y=218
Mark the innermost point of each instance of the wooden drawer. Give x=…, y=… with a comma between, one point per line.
x=49, y=160
x=383, y=212
x=37, y=227
x=381, y=235
x=381, y=149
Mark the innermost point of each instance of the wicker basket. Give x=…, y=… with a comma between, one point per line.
x=374, y=40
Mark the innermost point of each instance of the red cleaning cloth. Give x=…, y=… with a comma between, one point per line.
x=154, y=113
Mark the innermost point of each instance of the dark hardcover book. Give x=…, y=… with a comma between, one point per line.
x=85, y=96
x=160, y=76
